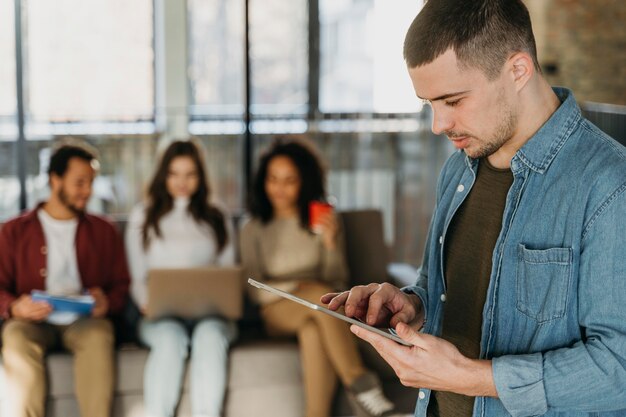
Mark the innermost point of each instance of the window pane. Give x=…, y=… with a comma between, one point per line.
x=126, y=168
x=9, y=183
x=7, y=57
x=216, y=56
x=279, y=56
x=223, y=157
x=128, y=165
x=89, y=61
x=362, y=68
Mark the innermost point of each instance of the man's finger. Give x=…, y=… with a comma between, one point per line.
x=389, y=350
x=355, y=299
x=372, y=338
x=339, y=301
x=400, y=317
x=38, y=314
x=41, y=316
x=40, y=308
x=406, y=315
x=406, y=333
x=334, y=299
x=375, y=305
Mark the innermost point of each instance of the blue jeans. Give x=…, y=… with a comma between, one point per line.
x=170, y=341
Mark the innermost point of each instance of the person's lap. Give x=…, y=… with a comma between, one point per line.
x=284, y=317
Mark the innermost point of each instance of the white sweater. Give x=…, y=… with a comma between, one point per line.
x=184, y=243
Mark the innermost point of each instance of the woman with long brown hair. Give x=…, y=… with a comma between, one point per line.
x=179, y=227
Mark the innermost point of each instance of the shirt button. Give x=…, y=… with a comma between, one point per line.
x=440, y=240
x=44, y=250
x=421, y=395
x=443, y=298
x=43, y=272
x=460, y=188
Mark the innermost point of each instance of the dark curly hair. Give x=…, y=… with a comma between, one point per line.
x=312, y=178
x=160, y=202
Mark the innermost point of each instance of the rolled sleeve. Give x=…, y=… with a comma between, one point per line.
x=519, y=382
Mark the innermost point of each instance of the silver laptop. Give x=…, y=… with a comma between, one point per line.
x=195, y=293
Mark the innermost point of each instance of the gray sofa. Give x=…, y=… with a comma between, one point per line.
x=265, y=374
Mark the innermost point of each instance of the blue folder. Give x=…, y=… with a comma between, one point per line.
x=80, y=304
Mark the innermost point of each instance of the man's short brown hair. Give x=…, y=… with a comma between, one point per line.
x=483, y=33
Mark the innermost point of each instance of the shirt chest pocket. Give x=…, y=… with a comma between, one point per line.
x=543, y=278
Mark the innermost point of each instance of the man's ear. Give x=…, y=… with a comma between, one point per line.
x=521, y=69
x=54, y=181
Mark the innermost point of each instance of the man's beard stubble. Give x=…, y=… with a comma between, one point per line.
x=66, y=202
x=502, y=134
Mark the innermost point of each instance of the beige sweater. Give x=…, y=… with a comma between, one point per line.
x=282, y=254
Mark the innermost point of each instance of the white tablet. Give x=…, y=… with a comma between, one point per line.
x=313, y=306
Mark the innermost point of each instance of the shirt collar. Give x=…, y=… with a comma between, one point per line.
x=541, y=149
x=32, y=214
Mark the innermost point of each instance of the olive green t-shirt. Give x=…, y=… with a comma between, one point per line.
x=469, y=246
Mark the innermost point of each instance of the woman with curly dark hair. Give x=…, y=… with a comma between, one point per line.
x=278, y=247
x=179, y=227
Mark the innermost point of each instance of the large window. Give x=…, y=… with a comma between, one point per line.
x=7, y=69
x=88, y=70
x=216, y=57
x=127, y=165
x=279, y=56
x=89, y=74
x=362, y=68
x=216, y=31
x=9, y=185
x=88, y=62
x=362, y=72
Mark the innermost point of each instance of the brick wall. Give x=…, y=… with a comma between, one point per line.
x=582, y=45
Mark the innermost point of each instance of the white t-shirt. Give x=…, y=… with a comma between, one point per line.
x=184, y=243
x=62, y=276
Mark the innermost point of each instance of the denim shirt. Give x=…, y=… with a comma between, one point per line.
x=554, y=321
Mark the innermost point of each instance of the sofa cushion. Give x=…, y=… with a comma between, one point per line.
x=254, y=363
x=366, y=252
x=264, y=380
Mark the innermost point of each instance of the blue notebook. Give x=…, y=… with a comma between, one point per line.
x=79, y=304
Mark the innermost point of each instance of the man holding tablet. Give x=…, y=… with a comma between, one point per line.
x=519, y=297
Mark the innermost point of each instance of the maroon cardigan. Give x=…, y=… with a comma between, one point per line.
x=99, y=252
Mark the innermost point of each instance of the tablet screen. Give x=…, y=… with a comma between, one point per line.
x=335, y=314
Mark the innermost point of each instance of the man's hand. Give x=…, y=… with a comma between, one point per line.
x=378, y=305
x=432, y=363
x=25, y=308
x=101, y=306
